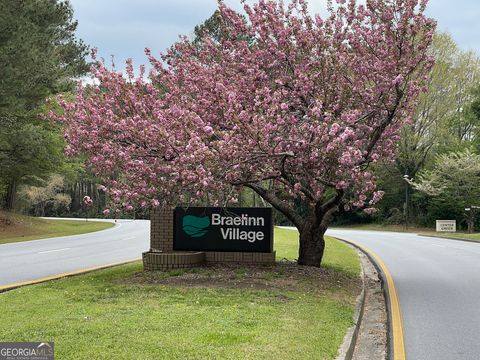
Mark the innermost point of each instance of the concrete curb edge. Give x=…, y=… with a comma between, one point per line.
x=386, y=295
x=350, y=340
x=5, y=288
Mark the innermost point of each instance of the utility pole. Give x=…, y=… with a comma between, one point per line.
x=405, y=205
x=471, y=211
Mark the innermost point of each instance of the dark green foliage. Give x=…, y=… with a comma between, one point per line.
x=38, y=52
x=475, y=105
x=211, y=26
x=34, y=150
x=474, y=109
x=217, y=28
x=39, y=57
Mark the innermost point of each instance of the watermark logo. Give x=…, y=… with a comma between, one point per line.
x=27, y=351
x=195, y=226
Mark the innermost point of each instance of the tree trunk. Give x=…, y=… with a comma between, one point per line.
x=312, y=245
x=312, y=225
x=470, y=225
x=11, y=196
x=471, y=220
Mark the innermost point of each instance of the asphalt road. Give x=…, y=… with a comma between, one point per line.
x=31, y=260
x=438, y=280
x=438, y=284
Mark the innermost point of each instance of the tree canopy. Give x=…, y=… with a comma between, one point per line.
x=38, y=52
x=444, y=122
x=291, y=106
x=454, y=181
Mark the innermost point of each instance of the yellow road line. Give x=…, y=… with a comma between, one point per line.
x=396, y=314
x=60, y=276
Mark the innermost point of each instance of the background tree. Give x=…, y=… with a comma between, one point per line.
x=454, y=184
x=443, y=122
x=211, y=28
x=29, y=152
x=453, y=76
x=291, y=106
x=48, y=196
x=474, y=113
x=216, y=28
x=39, y=56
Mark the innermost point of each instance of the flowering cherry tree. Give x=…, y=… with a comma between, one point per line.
x=292, y=106
x=87, y=204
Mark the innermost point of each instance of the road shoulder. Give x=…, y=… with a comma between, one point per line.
x=368, y=338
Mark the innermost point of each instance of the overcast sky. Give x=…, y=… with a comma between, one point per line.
x=123, y=28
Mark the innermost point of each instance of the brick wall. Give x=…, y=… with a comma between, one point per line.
x=161, y=230
x=166, y=261
x=217, y=257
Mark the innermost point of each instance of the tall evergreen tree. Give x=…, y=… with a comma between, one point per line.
x=39, y=57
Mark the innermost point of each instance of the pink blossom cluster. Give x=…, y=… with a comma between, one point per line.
x=304, y=103
x=87, y=200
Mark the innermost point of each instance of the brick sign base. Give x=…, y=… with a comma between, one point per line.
x=177, y=260
x=162, y=257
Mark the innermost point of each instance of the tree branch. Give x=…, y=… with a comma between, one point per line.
x=323, y=212
x=278, y=204
x=383, y=125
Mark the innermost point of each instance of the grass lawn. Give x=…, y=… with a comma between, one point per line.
x=414, y=230
x=457, y=235
x=382, y=227
x=24, y=228
x=282, y=312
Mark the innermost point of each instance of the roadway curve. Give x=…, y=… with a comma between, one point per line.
x=437, y=280
x=438, y=286
x=37, y=259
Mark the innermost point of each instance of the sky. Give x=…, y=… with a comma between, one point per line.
x=124, y=28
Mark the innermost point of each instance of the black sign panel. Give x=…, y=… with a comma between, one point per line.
x=223, y=229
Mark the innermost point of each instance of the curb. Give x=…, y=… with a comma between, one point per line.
x=350, y=340
x=391, y=342
x=450, y=238
x=5, y=288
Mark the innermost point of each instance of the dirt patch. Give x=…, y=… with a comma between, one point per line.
x=6, y=220
x=13, y=225
x=282, y=276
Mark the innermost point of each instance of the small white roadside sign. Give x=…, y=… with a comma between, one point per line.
x=446, y=226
